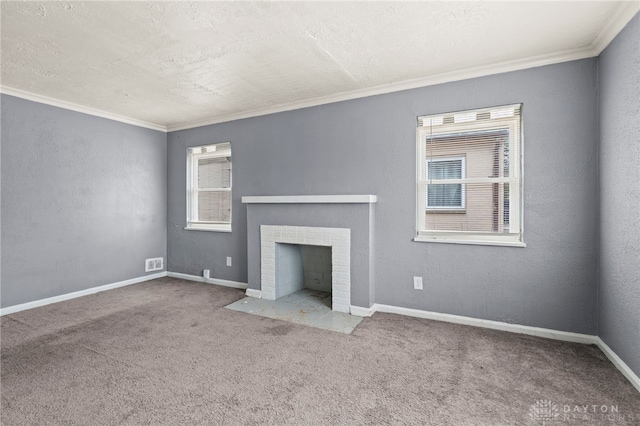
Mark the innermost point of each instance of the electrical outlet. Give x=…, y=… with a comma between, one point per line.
x=228, y=260
x=417, y=283
x=155, y=264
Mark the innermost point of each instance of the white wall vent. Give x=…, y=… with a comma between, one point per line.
x=155, y=264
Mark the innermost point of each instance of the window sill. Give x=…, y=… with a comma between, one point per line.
x=208, y=228
x=471, y=242
x=446, y=211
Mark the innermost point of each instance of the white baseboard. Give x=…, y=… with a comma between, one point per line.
x=254, y=293
x=216, y=281
x=363, y=312
x=619, y=363
x=495, y=325
x=68, y=296
x=513, y=328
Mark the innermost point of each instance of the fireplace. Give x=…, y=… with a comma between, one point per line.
x=337, y=239
x=344, y=225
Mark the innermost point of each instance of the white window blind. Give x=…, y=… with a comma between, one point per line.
x=209, y=187
x=469, y=176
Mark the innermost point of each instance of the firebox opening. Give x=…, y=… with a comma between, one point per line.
x=301, y=267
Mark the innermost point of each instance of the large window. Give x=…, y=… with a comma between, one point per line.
x=469, y=177
x=209, y=187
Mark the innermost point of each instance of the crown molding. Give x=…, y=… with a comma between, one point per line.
x=447, y=77
x=23, y=94
x=618, y=21
x=621, y=17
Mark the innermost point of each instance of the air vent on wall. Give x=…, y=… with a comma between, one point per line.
x=156, y=264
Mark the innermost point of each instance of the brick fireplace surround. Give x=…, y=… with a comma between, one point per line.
x=345, y=223
x=339, y=239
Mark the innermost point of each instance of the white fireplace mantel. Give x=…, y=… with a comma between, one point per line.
x=311, y=199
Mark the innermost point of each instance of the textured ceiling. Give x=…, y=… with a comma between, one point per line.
x=176, y=63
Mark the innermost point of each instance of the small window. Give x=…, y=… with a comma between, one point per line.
x=209, y=187
x=469, y=177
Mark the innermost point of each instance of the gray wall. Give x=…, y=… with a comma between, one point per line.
x=619, y=296
x=83, y=200
x=367, y=146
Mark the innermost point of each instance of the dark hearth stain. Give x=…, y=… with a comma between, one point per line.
x=279, y=330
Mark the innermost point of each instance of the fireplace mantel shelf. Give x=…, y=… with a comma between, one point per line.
x=311, y=199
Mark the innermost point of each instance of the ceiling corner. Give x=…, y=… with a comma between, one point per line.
x=618, y=21
x=23, y=94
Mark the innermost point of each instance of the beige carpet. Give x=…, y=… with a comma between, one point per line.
x=166, y=352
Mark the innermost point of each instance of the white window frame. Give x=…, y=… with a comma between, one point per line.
x=192, y=186
x=463, y=194
x=437, y=126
